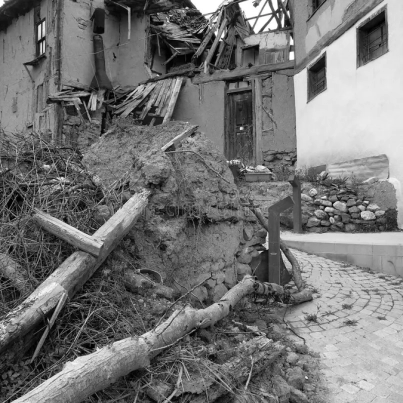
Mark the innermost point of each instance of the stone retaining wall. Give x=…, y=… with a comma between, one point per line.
x=367, y=207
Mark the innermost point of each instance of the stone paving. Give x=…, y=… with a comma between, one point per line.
x=356, y=324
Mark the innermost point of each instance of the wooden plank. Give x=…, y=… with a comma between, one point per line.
x=240, y=73
x=162, y=93
x=133, y=105
x=70, y=276
x=151, y=101
x=214, y=46
x=174, y=98
x=165, y=100
x=175, y=141
x=75, y=84
x=68, y=233
x=224, y=57
x=259, y=121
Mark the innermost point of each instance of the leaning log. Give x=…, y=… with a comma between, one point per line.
x=88, y=374
x=70, y=276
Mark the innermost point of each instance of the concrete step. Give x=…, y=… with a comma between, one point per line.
x=381, y=252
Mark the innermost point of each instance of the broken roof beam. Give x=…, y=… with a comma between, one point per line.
x=215, y=44
x=240, y=73
x=274, y=12
x=260, y=14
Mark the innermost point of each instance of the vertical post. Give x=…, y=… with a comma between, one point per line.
x=296, y=194
x=274, y=239
x=258, y=121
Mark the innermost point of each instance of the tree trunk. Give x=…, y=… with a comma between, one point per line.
x=88, y=374
x=12, y=271
x=70, y=276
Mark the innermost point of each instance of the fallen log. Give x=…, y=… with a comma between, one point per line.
x=88, y=374
x=296, y=270
x=70, y=276
x=12, y=271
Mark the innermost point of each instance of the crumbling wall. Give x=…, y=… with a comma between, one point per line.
x=279, y=131
x=204, y=105
x=193, y=228
x=77, y=43
x=23, y=99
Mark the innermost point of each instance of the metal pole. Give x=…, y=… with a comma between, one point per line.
x=274, y=239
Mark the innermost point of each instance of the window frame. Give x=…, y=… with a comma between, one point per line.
x=365, y=29
x=314, y=7
x=312, y=71
x=40, y=37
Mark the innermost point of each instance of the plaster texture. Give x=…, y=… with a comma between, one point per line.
x=314, y=30
x=359, y=113
x=204, y=105
x=20, y=102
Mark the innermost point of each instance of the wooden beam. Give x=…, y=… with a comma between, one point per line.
x=214, y=46
x=179, y=138
x=275, y=13
x=174, y=98
x=259, y=121
x=240, y=73
x=68, y=233
x=260, y=14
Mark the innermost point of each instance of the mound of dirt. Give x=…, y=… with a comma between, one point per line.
x=193, y=225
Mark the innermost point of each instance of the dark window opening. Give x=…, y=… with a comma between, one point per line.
x=317, y=78
x=41, y=38
x=316, y=4
x=372, y=39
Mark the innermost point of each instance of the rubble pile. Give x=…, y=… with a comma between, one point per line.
x=194, y=224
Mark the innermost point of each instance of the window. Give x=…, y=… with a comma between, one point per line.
x=317, y=78
x=41, y=38
x=372, y=39
x=316, y=4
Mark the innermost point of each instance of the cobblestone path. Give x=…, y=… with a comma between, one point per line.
x=356, y=324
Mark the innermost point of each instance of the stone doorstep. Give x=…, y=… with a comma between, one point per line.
x=385, y=257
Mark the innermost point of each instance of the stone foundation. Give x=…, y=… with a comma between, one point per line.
x=280, y=162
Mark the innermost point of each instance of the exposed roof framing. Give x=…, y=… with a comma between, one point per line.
x=151, y=6
x=275, y=10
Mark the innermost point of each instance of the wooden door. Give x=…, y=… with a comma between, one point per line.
x=239, y=143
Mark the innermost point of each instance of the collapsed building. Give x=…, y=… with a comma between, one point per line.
x=70, y=66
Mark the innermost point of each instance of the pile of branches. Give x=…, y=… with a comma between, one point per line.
x=34, y=174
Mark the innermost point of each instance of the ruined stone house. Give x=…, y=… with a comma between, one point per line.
x=237, y=87
x=347, y=83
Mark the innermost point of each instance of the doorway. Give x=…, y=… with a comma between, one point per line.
x=239, y=139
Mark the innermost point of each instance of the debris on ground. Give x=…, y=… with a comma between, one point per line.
x=192, y=244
